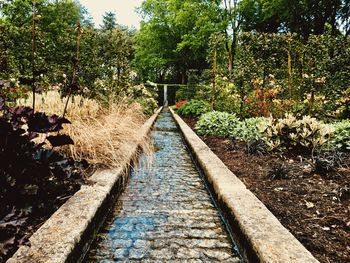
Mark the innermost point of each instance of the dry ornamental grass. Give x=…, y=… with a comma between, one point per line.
x=102, y=135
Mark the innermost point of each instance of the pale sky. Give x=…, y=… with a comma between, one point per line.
x=124, y=10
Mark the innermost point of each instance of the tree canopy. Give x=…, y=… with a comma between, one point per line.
x=304, y=17
x=174, y=34
x=105, y=53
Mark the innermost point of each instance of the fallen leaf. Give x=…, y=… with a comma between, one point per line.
x=278, y=189
x=309, y=204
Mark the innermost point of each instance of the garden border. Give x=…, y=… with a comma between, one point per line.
x=67, y=235
x=260, y=236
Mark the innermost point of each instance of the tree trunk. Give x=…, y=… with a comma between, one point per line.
x=214, y=80
x=312, y=102
x=183, y=77
x=290, y=72
x=33, y=54
x=229, y=57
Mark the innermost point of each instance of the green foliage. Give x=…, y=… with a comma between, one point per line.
x=144, y=96
x=289, y=133
x=115, y=54
x=105, y=53
x=228, y=125
x=217, y=123
x=275, y=73
x=341, y=137
x=250, y=129
x=304, y=17
x=193, y=108
x=109, y=21
x=258, y=73
x=226, y=96
x=174, y=38
x=11, y=90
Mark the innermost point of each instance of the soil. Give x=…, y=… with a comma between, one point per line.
x=314, y=207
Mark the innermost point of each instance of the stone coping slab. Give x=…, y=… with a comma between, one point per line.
x=66, y=236
x=261, y=237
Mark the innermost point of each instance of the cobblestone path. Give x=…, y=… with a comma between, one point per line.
x=165, y=213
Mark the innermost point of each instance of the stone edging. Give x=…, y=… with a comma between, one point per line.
x=66, y=236
x=261, y=237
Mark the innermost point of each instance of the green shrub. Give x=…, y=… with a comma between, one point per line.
x=217, y=123
x=289, y=133
x=149, y=105
x=194, y=108
x=250, y=129
x=228, y=125
x=341, y=136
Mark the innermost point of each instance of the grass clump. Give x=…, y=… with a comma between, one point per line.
x=102, y=135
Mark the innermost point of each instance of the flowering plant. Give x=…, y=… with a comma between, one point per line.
x=10, y=90
x=180, y=103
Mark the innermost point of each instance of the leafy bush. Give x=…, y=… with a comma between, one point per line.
x=217, y=123
x=290, y=133
x=228, y=125
x=250, y=129
x=10, y=90
x=341, y=135
x=26, y=167
x=194, y=108
x=149, y=105
x=32, y=177
x=144, y=96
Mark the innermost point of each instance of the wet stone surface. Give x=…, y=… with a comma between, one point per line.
x=165, y=213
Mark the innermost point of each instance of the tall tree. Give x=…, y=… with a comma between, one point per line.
x=104, y=54
x=109, y=21
x=176, y=35
x=304, y=17
x=232, y=20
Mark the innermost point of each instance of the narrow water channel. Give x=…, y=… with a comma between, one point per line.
x=165, y=213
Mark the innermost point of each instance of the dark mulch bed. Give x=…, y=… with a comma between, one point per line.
x=315, y=208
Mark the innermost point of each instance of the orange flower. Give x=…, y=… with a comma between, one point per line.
x=180, y=103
